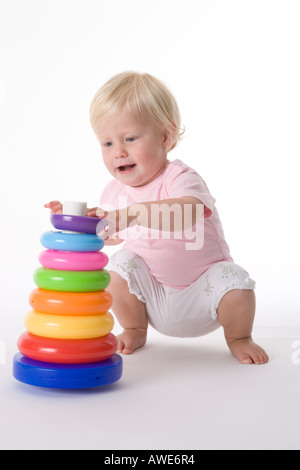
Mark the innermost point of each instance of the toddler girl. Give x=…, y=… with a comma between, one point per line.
x=175, y=271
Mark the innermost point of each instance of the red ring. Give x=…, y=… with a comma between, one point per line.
x=70, y=351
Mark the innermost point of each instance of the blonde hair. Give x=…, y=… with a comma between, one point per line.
x=144, y=96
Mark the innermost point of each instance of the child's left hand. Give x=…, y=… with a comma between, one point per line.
x=111, y=228
x=92, y=212
x=116, y=221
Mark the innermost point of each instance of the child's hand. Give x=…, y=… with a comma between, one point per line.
x=113, y=226
x=92, y=212
x=117, y=221
x=56, y=207
x=108, y=231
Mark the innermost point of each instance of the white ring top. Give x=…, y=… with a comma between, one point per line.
x=75, y=208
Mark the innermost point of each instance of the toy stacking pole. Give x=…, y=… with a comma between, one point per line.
x=68, y=341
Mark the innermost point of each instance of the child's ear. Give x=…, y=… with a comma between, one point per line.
x=168, y=138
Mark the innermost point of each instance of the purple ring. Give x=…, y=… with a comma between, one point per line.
x=74, y=223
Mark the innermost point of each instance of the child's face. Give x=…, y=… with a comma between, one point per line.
x=135, y=153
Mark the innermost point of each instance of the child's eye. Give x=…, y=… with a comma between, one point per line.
x=131, y=139
x=107, y=144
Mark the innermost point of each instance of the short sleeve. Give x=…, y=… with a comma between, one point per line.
x=184, y=181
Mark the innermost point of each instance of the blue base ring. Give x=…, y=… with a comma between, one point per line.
x=67, y=376
x=71, y=241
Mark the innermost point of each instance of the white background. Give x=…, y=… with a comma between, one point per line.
x=232, y=65
x=234, y=68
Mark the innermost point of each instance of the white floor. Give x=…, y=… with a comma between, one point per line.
x=174, y=394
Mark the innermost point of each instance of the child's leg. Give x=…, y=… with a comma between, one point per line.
x=236, y=313
x=136, y=293
x=131, y=314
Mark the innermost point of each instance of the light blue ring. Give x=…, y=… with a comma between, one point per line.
x=71, y=241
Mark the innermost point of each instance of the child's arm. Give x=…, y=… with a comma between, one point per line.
x=176, y=214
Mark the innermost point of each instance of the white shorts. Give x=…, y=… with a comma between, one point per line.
x=184, y=313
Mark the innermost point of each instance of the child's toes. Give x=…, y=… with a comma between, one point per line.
x=244, y=358
x=262, y=358
x=127, y=350
x=259, y=356
x=121, y=346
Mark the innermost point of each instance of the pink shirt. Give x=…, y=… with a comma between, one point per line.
x=174, y=262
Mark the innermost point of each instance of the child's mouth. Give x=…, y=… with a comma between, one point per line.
x=126, y=168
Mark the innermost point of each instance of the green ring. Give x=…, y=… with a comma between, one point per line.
x=71, y=281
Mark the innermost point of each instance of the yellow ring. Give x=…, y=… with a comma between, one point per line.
x=69, y=326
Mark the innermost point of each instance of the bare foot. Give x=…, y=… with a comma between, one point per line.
x=131, y=339
x=247, y=352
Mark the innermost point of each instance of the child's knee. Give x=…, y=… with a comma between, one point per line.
x=230, y=286
x=117, y=283
x=237, y=300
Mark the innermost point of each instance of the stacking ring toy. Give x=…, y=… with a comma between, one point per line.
x=71, y=241
x=70, y=303
x=67, y=351
x=73, y=261
x=75, y=223
x=71, y=281
x=68, y=326
x=68, y=376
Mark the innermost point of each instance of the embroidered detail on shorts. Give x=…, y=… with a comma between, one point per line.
x=227, y=270
x=129, y=265
x=123, y=269
x=209, y=288
x=113, y=257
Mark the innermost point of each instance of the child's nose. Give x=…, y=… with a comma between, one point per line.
x=120, y=151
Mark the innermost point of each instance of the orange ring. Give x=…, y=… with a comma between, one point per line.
x=70, y=303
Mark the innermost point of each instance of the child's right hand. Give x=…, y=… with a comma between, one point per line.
x=56, y=207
